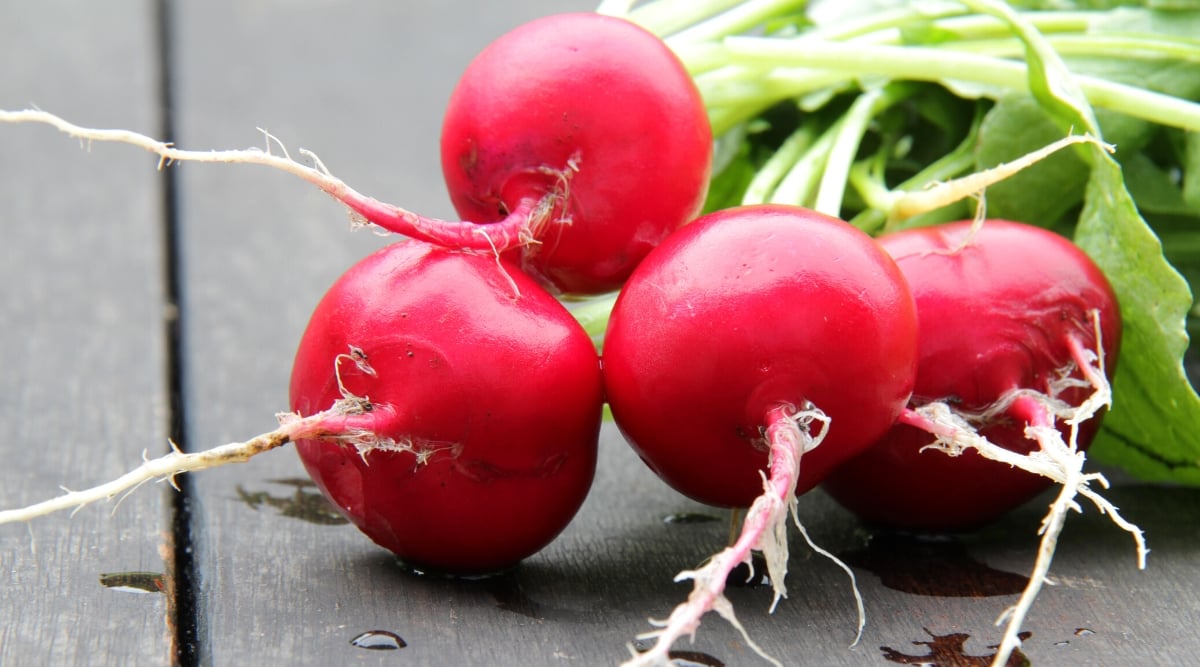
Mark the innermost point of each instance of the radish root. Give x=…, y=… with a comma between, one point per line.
x=1055, y=459
x=938, y=195
x=518, y=229
x=166, y=468
x=789, y=434
x=349, y=420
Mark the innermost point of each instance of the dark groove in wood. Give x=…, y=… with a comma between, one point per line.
x=184, y=610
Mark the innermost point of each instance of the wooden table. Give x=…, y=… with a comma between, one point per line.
x=140, y=305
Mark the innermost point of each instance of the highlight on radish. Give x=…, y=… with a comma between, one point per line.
x=576, y=142
x=751, y=353
x=454, y=422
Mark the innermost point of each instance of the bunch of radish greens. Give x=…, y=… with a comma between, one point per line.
x=876, y=248
x=849, y=105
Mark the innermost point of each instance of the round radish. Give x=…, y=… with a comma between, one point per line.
x=479, y=443
x=741, y=312
x=590, y=122
x=729, y=344
x=1002, y=308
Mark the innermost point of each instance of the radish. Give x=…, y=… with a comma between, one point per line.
x=575, y=141
x=1018, y=331
x=1004, y=309
x=482, y=442
x=747, y=339
x=454, y=422
x=586, y=124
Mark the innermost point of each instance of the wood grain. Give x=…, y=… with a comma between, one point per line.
x=81, y=346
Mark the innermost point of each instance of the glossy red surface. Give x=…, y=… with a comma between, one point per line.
x=500, y=394
x=744, y=310
x=602, y=94
x=994, y=317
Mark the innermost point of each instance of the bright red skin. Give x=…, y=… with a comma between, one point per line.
x=744, y=310
x=508, y=388
x=599, y=90
x=994, y=317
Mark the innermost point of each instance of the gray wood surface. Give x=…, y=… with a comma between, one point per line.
x=81, y=345
x=363, y=84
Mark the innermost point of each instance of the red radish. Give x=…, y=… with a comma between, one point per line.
x=481, y=442
x=576, y=141
x=443, y=401
x=598, y=115
x=1002, y=309
x=729, y=340
x=1018, y=330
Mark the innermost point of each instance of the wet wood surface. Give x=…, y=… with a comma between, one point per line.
x=98, y=247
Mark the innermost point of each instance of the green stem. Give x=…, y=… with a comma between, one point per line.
x=738, y=19
x=777, y=166
x=797, y=186
x=955, y=163
x=1049, y=80
x=667, y=17
x=593, y=314
x=789, y=64
x=1131, y=47
x=846, y=141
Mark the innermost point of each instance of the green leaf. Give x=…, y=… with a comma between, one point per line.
x=1154, y=189
x=1044, y=193
x=1153, y=430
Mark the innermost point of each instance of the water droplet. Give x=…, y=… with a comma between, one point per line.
x=689, y=518
x=133, y=582
x=1083, y=632
x=379, y=640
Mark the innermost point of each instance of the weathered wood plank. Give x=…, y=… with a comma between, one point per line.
x=81, y=346
x=363, y=84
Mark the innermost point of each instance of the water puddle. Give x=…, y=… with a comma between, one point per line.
x=681, y=658
x=510, y=596
x=304, y=503
x=950, y=651
x=938, y=566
